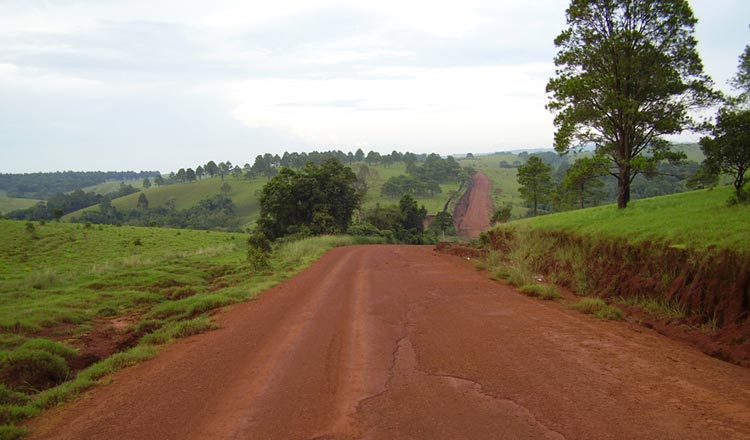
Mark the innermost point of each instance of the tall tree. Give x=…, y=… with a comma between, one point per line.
x=190, y=175
x=199, y=172
x=628, y=73
x=142, y=202
x=146, y=183
x=728, y=149
x=536, y=182
x=582, y=177
x=741, y=80
x=211, y=168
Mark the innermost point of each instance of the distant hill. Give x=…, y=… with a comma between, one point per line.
x=43, y=185
x=244, y=193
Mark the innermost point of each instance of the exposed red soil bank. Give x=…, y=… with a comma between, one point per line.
x=397, y=342
x=712, y=287
x=474, y=209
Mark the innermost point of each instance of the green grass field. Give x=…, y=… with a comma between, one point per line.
x=8, y=204
x=61, y=284
x=696, y=220
x=244, y=193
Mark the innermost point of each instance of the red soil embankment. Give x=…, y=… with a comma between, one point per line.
x=472, y=216
x=712, y=288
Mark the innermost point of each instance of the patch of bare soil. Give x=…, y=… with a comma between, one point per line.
x=108, y=336
x=401, y=342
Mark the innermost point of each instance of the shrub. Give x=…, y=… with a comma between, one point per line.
x=546, y=292
x=35, y=368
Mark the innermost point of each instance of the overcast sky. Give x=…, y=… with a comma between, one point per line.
x=159, y=85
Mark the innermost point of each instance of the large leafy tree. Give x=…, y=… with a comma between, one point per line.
x=628, y=74
x=535, y=180
x=319, y=198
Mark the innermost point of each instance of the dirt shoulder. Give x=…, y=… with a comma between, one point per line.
x=391, y=342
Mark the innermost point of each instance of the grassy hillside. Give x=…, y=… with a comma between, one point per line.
x=380, y=174
x=8, y=204
x=78, y=302
x=696, y=219
x=244, y=193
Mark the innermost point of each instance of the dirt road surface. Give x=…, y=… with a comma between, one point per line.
x=398, y=342
x=474, y=218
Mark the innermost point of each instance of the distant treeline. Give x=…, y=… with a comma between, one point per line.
x=43, y=185
x=268, y=165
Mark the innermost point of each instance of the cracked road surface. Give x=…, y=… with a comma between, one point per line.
x=398, y=342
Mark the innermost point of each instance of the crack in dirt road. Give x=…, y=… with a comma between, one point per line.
x=399, y=342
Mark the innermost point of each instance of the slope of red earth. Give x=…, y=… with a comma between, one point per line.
x=474, y=209
x=399, y=342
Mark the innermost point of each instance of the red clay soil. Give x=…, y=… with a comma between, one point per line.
x=399, y=342
x=474, y=208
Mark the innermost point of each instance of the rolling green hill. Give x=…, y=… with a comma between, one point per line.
x=111, y=186
x=696, y=219
x=243, y=192
x=8, y=204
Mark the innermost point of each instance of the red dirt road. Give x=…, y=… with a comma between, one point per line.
x=475, y=217
x=398, y=342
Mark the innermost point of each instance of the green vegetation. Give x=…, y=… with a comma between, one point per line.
x=696, y=220
x=244, y=193
x=535, y=182
x=60, y=282
x=543, y=291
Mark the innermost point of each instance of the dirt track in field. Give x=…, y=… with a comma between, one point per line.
x=474, y=208
x=399, y=342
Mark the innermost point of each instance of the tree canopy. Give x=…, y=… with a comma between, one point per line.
x=628, y=74
x=728, y=149
x=318, y=199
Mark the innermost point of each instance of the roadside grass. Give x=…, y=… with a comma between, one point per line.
x=598, y=308
x=661, y=308
x=544, y=291
x=59, y=287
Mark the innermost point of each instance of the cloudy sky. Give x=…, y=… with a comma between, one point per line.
x=145, y=84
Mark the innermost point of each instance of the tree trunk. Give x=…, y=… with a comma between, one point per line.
x=623, y=187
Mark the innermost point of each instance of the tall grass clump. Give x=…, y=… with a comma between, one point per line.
x=598, y=308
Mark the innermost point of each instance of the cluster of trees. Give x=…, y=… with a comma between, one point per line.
x=212, y=213
x=60, y=204
x=402, y=223
x=44, y=185
x=423, y=179
x=322, y=199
